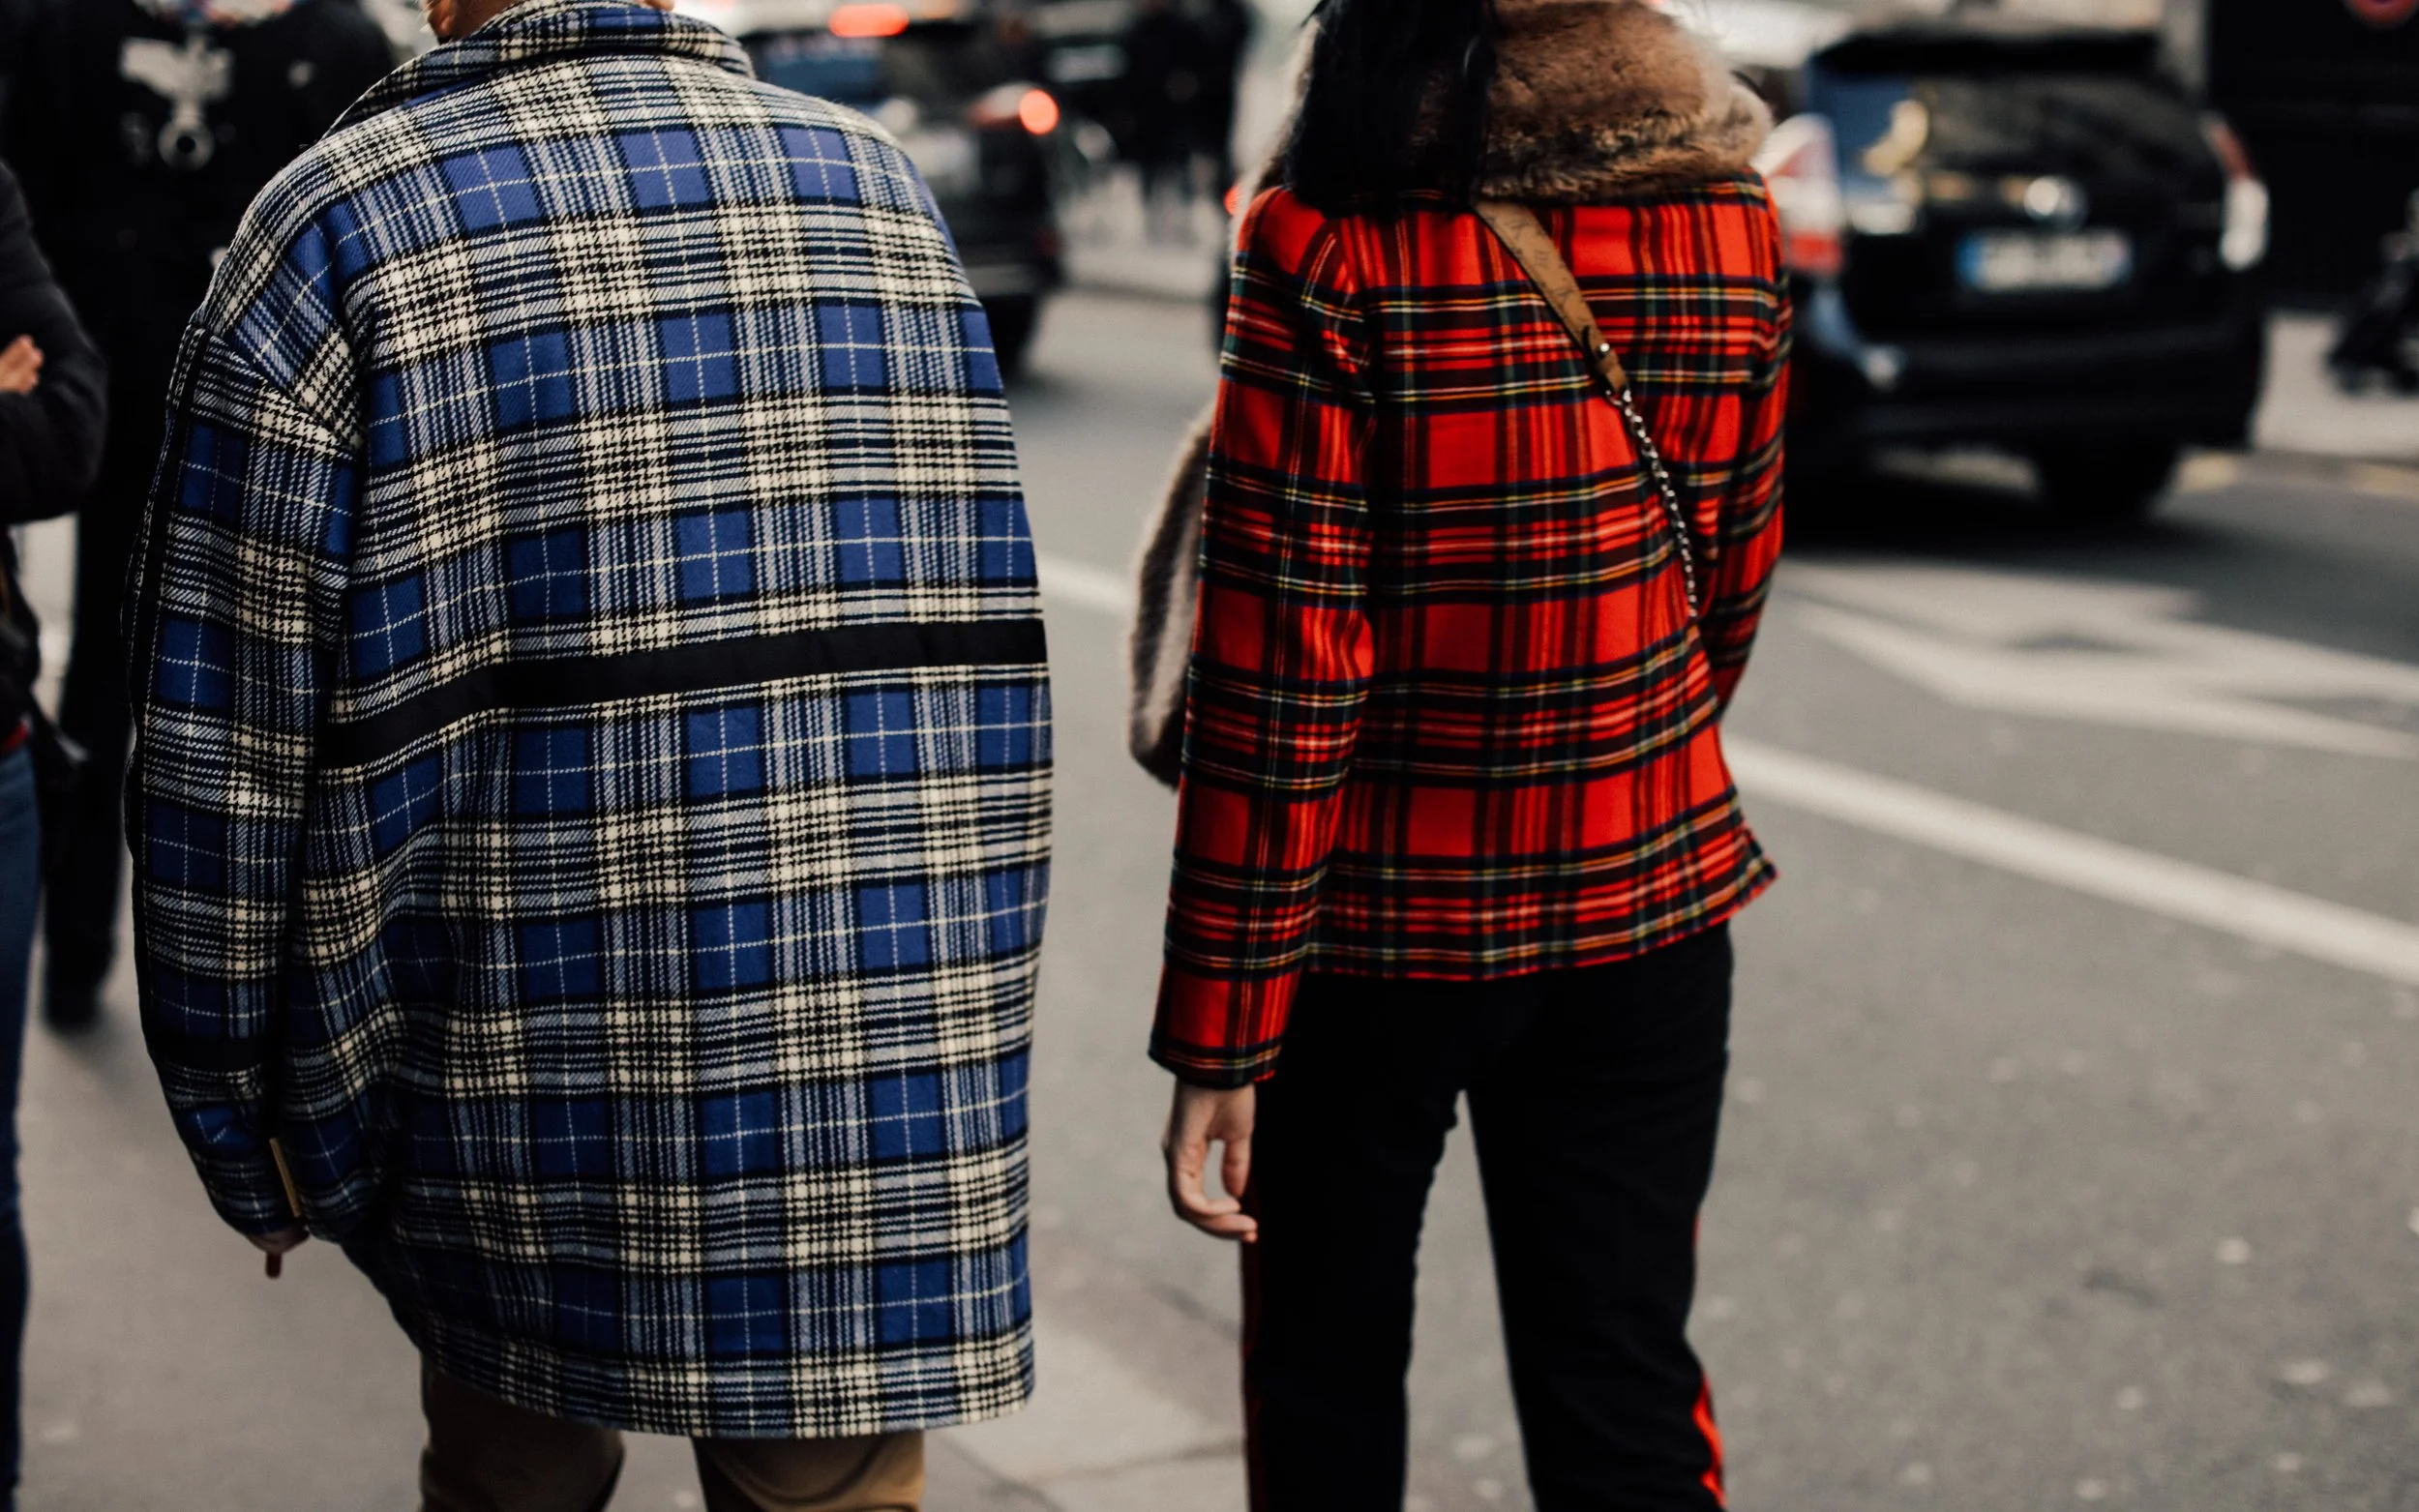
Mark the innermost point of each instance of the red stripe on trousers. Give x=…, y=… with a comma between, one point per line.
x=1706, y=1425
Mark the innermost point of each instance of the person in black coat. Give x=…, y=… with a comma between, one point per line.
x=142, y=130
x=53, y=403
x=52, y=407
x=17, y=20
x=1225, y=27
x=1163, y=82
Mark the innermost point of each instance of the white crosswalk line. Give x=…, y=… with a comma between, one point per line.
x=2125, y=654
x=2180, y=890
x=2173, y=889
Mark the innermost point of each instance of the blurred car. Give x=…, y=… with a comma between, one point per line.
x=958, y=95
x=2026, y=237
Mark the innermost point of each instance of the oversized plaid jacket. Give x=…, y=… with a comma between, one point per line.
x=1448, y=714
x=592, y=797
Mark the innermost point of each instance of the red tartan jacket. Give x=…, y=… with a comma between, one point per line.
x=1448, y=716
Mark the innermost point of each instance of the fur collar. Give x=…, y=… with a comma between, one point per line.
x=1610, y=99
x=1597, y=100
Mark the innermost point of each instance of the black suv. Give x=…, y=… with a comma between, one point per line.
x=959, y=96
x=2027, y=238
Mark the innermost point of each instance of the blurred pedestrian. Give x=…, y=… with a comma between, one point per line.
x=591, y=794
x=1164, y=83
x=143, y=130
x=1225, y=27
x=2379, y=333
x=1017, y=43
x=1455, y=817
x=52, y=395
x=16, y=24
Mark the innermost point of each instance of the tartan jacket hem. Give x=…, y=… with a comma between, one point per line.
x=1218, y=1064
x=989, y=1378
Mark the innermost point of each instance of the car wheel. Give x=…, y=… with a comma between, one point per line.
x=1821, y=492
x=2111, y=484
x=1012, y=322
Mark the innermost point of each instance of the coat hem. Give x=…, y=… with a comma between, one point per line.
x=1757, y=875
x=1006, y=1393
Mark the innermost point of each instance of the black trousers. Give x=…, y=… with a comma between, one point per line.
x=80, y=907
x=1594, y=1096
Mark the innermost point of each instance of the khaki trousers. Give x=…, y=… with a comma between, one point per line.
x=484, y=1455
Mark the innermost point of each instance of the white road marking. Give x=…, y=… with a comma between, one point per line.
x=1084, y=586
x=2206, y=472
x=2381, y=481
x=2120, y=654
x=2254, y=912
x=2210, y=472
x=2180, y=890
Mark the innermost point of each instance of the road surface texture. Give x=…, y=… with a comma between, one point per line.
x=2070, y=1155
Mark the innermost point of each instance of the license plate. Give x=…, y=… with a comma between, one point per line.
x=1086, y=65
x=2008, y=262
x=945, y=158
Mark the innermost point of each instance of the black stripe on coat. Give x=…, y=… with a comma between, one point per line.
x=567, y=682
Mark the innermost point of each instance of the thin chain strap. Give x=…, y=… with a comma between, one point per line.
x=1653, y=456
x=1526, y=238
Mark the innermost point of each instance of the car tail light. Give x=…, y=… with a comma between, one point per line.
x=1017, y=105
x=1801, y=163
x=1037, y=111
x=869, y=21
x=2245, y=240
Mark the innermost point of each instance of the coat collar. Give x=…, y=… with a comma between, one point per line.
x=540, y=31
x=1608, y=98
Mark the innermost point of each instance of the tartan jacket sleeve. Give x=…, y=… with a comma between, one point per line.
x=233, y=628
x=1747, y=533
x=1282, y=648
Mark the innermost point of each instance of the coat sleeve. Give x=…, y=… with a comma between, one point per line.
x=1747, y=531
x=49, y=438
x=1282, y=649
x=234, y=625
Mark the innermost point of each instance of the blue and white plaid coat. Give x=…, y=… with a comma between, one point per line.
x=592, y=790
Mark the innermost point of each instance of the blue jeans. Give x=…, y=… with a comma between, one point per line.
x=21, y=889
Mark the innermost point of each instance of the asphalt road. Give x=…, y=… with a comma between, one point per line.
x=2070, y=1154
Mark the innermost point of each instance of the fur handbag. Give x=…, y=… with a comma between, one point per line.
x=1167, y=595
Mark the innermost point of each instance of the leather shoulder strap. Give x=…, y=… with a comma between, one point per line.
x=1526, y=238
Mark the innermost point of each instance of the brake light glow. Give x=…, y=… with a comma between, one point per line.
x=1800, y=165
x=1015, y=104
x=869, y=21
x=2245, y=240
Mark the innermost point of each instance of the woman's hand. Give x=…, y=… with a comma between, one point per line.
x=20, y=366
x=1203, y=1115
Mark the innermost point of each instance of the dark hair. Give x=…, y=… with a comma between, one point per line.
x=1395, y=104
